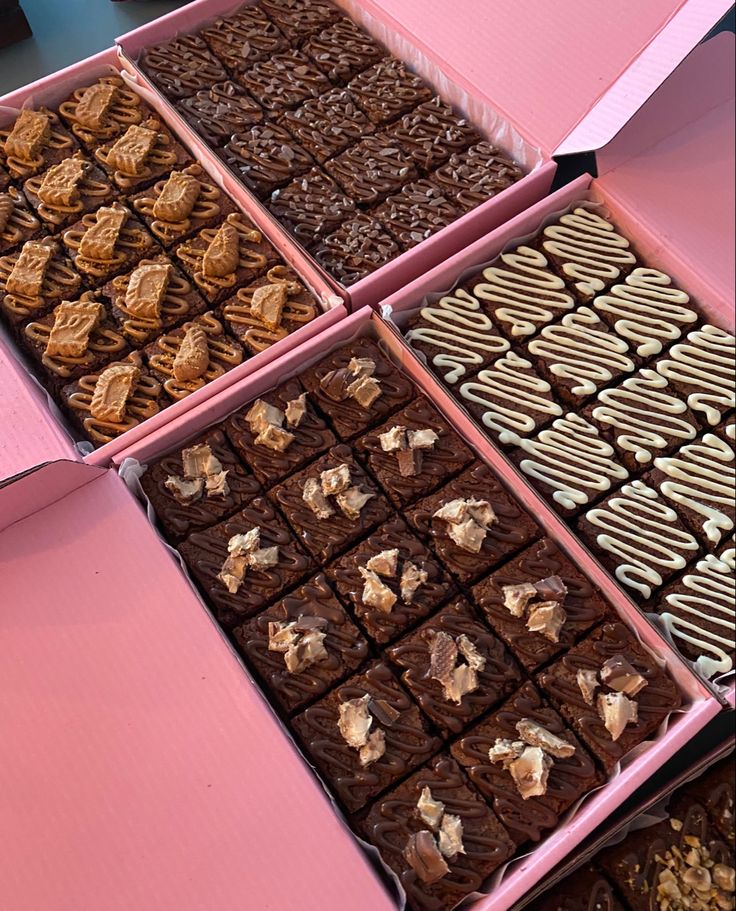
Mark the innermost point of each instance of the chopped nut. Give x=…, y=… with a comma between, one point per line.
x=537, y=736
x=516, y=597
x=411, y=578
x=296, y=410
x=424, y=857
x=374, y=748
x=275, y=438
x=316, y=500
x=620, y=675
x=470, y=653
x=184, y=491
x=547, y=619
x=551, y=589
x=588, y=683
x=422, y=439
x=531, y=772
x=697, y=878
x=506, y=751
x=352, y=501
x=375, y=593
x=384, y=712
x=355, y=721
x=393, y=439
x=261, y=415
x=617, y=710
x=385, y=564
x=431, y=811
x=451, y=836
x=724, y=877
x=335, y=480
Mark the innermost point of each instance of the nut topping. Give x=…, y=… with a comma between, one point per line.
x=375, y=593
x=537, y=736
x=386, y=563
x=222, y=256
x=113, y=388
x=31, y=132
x=531, y=772
x=411, y=578
x=268, y=304
x=60, y=184
x=296, y=410
x=690, y=880
x=193, y=357
x=618, y=674
x=146, y=290
x=588, y=683
x=177, y=197
x=129, y=153
x=93, y=105
x=431, y=811
x=424, y=857
x=616, y=710
x=29, y=271
x=468, y=521
x=457, y=680
x=301, y=642
x=99, y=240
x=74, y=322
x=316, y=500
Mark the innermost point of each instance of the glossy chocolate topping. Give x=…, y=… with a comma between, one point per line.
x=343, y=50
x=298, y=19
x=266, y=157
x=220, y=111
x=311, y=206
x=327, y=125
x=356, y=249
x=388, y=90
x=284, y=81
x=372, y=170
x=417, y=212
x=472, y=177
x=182, y=66
x=244, y=38
x=432, y=133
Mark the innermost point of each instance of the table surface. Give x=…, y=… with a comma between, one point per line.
x=65, y=31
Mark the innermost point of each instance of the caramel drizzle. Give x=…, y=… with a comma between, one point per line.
x=55, y=140
x=123, y=110
x=130, y=238
x=56, y=213
x=59, y=280
x=141, y=405
x=192, y=254
x=15, y=218
x=206, y=205
x=130, y=170
x=174, y=306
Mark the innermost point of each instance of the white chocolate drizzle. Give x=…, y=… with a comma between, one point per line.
x=463, y=332
x=524, y=289
x=579, y=348
x=572, y=458
x=592, y=254
x=511, y=380
x=710, y=599
x=643, y=415
x=647, y=309
x=641, y=530
x=701, y=476
x=707, y=362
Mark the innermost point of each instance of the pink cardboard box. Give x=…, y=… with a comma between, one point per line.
x=49, y=439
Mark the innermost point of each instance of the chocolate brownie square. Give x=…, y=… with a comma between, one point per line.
x=139, y=157
x=455, y=667
x=357, y=774
x=265, y=158
x=327, y=125
x=244, y=38
x=331, y=504
x=298, y=19
x=357, y=386
x=472, y=524
x=583, y=890
x=527, y=806
x=221, y=111
x=432, y=133
x=357, y=249
x=302, y=646
x=252, y=439
x=97, y=112
x=311, y=206
x=608, y=686
x=18, y=223
x=343, y=50
x=388, y=90
x=417, y=212
x=181, y=67
x=33, y=141
x=535, y=638
x=411, y=583
x=237, y=592
x=285, y=80
x=477, y=175
x=406, y=473
x=182, y=504
x=372, y=170
x=64, y=192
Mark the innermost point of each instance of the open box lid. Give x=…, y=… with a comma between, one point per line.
x=141, y=767
x=576, y=70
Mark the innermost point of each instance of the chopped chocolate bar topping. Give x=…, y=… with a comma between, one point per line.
x=457, y=679
x=202, y=474
x=301, y=642
x=431, y=811
x=408, y=446
x=618, y=674
x=266, y=423
x=424, y=857
x=426, y=852
x=588, y=683
x=355, y=381
x=468, y=521
x=335, y=482
x=355, y=724
x=244, y=551
x=530, y=759
x=547, y=616
x=617, y=710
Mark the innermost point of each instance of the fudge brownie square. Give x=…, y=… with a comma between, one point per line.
x=269, y=309
x=372, y=170
x=599, y=679
x=327, y=125
x=527, y=807
x=18, y=223
x=647, y=310
x=396, y=742
x=244, y=38
x=302, y=646
x=642, y=418
x=388, y=90
x=187, y=490
x=410, y=585
x=141, y=155
x=508, y=399
x=357, y=249
x=455, y=336
x=237, y=586
x=331, y=504
x=106, y=242
x=298, y=19
x=407, y=473
x=343, y=50
x=579, y=355
x=521, y=293
x=221, y=111
x=714, y=790
x=698, y=610
x=357, y=386
x=417, y=212
x=285, y=80
x=583, y=890
x=432, y=133
x=33, y=141
x=702, y=369
x=188, y=357
x=570, y=463
x=224, y=257
x=116, y=398
x=455, y=667
x=272, y=455
x=311, y=206
x=584, y=247
x=178, y=206
x=406, y=836
x=472, y=524
x=77, y=337
x=534, y=639
x=699, y=482
x=153, y=298
x=35, y=279
x=97, y=112
x=63, y=193
x=181, y=67
x=265, y=158
x=477, y=175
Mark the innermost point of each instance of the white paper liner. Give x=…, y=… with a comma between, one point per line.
x=131, y=471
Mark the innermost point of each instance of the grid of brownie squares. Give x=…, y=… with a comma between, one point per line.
x=321, y=123
x=406, y=618
x=117, y=251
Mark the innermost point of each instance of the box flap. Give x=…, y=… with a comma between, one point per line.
x=584, y=48
x=141, y=767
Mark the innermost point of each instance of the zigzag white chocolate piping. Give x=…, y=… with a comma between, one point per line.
x=648, y=310
x=635, y=518
x=527, y=289
x=643, y=414
x=593, y=254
